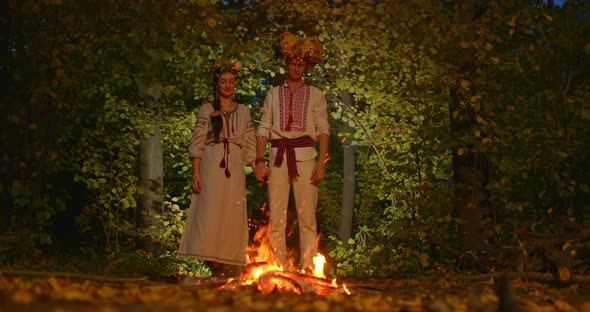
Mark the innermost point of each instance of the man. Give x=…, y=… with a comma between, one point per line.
x=294, y=117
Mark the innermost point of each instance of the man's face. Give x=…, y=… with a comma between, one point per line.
x=295, y=69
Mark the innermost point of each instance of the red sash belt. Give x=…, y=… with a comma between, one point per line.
x=289, y=146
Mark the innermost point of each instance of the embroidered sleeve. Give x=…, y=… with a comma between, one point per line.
x=266, y=116
x=197, y=143
x=320, y=115
x=249, y=140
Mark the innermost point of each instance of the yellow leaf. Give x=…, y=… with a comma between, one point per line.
x=321, y=306
x=22, y=296
x=495, y=59
x=464, y=44
x=512, y=22
x=424, y=259
x=474, y=98
x=478, y=133
x=106, y=291
x=77, y=295
x=511, y=32
x=479, y=119
x=488, y=46
x=465, y=84
x=548, y=17
x=461, y=151
x=211, y=22
x=54, y=283
x=571, y=188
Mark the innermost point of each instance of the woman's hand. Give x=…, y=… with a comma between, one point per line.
x=261, y=171
x=197, y=183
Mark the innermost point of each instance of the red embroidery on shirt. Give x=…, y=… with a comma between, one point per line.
x=294, y=112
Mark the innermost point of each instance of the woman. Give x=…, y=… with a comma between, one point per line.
x=223, y=141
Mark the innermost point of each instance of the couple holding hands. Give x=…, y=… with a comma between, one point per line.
x=294, y=117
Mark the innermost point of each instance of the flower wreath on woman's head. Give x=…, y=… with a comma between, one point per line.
x=233, y=67
x=216, y=70
x=308, y=50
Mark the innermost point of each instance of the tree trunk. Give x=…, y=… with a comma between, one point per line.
x=470, y=168
x=151, y=165
x=348, y=185
x=151, y=180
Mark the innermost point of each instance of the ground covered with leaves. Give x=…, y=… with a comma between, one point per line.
x=415, y=293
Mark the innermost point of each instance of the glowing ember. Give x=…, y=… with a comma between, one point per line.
x=268, y=276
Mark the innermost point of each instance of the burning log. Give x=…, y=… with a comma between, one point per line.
x=277, y=280
x=264, y=273
x=274, y=281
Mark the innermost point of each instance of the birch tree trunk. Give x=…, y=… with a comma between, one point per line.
x=348, y=183
x=151, y=168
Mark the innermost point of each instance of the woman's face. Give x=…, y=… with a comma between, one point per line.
x=226, y=83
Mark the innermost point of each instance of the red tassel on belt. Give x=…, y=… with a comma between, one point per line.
x=225, y=159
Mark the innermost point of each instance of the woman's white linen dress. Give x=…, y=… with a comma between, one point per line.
x=216, y=227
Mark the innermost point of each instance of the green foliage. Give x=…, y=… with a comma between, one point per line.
x=354, y=258
x=108, y=165
x=165, y=266
x=329, y=205
x=74, y=118
x=540, y=182
x=169, y=226
x=400, y=119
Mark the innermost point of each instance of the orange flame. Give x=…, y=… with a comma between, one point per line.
x=318, y=262
x=269, y=276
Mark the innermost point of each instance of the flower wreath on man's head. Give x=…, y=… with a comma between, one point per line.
x=307, y=50
x=233, y=67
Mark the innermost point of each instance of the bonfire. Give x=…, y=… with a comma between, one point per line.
x=268, y=276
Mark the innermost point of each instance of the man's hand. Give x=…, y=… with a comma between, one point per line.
x=319, y=172
x=261, y=171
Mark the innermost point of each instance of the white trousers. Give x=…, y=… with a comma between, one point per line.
x=306, y=198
